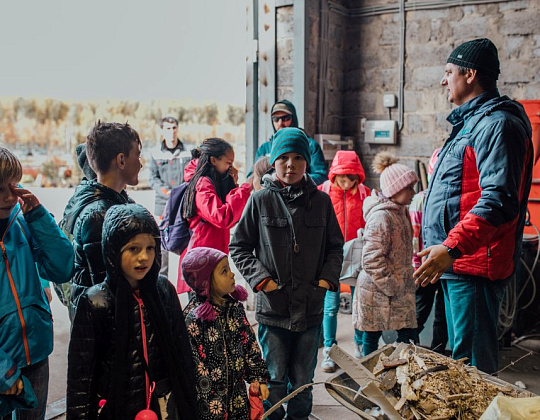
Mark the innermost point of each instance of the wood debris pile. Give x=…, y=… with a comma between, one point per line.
x=430, y=386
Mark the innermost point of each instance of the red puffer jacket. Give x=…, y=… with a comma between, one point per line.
x=347, y=204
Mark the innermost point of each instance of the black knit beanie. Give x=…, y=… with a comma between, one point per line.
x=478, y=54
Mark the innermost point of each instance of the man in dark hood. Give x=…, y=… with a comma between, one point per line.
x=284, y=115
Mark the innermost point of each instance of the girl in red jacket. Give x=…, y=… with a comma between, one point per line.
x=213, y=201
x=347, y=191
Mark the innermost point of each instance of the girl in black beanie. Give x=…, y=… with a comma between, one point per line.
x=129, y=349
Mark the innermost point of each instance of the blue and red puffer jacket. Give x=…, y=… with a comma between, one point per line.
x=477, y=197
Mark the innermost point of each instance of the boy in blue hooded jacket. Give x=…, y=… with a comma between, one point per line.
x=34, y=250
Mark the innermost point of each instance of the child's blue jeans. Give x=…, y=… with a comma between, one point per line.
x=291, y=358
x=329, y=326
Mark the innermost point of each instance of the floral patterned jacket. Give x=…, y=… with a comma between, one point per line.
x=226, y=355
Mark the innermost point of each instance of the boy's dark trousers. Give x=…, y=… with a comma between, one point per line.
x=291, y=358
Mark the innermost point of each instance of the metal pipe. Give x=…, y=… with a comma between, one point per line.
x=401, y=64
x=369, y=11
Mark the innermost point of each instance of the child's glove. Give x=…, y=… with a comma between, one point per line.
x=258, y=389
x=255, y=403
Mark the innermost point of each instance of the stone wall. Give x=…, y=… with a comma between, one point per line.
x=324, y=98
x=371, y=67
x=352, y=60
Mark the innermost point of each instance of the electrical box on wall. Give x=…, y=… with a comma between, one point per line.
x=381, y=132
x=331, y=143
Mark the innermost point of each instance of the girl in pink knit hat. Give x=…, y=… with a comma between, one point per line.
x=224, y=346
x=385, y=293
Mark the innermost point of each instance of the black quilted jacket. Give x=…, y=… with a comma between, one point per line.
x=83, y=220
x=92, y=349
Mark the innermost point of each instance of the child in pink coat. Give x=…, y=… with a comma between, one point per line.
x=213, y=201
x=385, y=292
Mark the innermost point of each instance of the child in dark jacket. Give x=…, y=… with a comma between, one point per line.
x=224, y=346
x=298, y=247
x=34, y=250
x=129, y=348
x=213, y=201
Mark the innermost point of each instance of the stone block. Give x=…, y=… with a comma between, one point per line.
x=513, y=5
x=390, y=34
x=335, y=79
x=441, y=123
x=532, y=90
x=418, y=31
x=285, y=22
x=426, y=77
x=285, y=75
x=390, y=78
x=284, y=92
x=514, y=46
x=427, y=54
x=284, y=50
x=470, y=28
x=419, y=124
x=517, y=71
x=519, y=23
x=359, y=102
x=335, y=57
x=440, y=30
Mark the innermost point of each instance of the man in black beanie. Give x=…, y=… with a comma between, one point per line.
x=476, y=202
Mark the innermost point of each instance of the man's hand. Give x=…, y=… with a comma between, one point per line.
x=434, y=265
x=27, y=200
x=16, y=389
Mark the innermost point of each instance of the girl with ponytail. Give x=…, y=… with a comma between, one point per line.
x=213, y=200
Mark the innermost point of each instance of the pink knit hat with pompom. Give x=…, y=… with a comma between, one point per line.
x=197, y=267
x=394, y=176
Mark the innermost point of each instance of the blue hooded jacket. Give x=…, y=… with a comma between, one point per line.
x=317, y=168
x=33, y=249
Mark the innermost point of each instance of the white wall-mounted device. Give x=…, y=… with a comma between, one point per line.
x=381, y=132
x=389, y=100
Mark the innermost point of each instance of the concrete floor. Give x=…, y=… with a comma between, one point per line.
x=325, y=407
